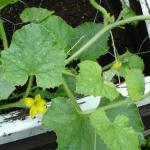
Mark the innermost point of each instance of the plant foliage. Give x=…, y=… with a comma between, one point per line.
x=41, y=55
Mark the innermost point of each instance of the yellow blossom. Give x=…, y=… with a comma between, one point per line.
x=117, y=65
x=36, y=105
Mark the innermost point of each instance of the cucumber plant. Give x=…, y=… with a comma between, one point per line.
x=41, y=52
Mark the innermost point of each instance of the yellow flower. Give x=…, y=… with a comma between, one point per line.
x=117, y=65
x=36, y=105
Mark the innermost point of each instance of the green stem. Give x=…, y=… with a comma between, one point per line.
x=69, y=73
x=104, y=30
x=3, y=35
x=12, y=105
x=28, y=87
x=101, y=9
x=114, y=46
x=70, y=94
x=114, y=105
x=108, y=66
x=111, y=106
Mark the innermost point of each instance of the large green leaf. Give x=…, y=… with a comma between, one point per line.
x=4, y=3
x=84, y=33
x=32, y=53
x=35, y=15
x=90, y=81
x=135, y=83
x=5, y=87
x=61, y=31
x=117, y=134
x=74, y=131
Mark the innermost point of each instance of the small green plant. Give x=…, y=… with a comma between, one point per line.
x=42, y=50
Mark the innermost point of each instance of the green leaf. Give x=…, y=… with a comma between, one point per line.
x=83, y=33
x=5, y=87
x=135, y=83
x=128, y=12
x=130, y=61
x=109, y=91
x=74, y=131
x=32, y=53
x=132, y=112
x=35, y=15
x=60, y=30
x=117, y=135
x=4, y=3
x=60, y=92
x=90, y=81
x=100, y=145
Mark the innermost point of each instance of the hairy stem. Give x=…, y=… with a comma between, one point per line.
x=13, y=105
x=28, y=87
x=101, y=9
x=117, y=104
x=3, y=35
x=101, y=32
x=70, y=94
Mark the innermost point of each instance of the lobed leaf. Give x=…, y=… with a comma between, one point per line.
x=32, y=53
x=90, y=81
x=117, y=135
x=74, y=131
x=132, y=112
x=60, y=30
x=83, y=33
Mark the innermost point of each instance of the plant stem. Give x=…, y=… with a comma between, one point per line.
x=21, y=102
x=101, y=9
x=70, y=94
x=108, y=66
x=28, y=87
x=101, y=32
x=111, y=106
x=114, y=47
x=3, y=35
x=69, y=73
x=12, y=105
x=114, y=105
